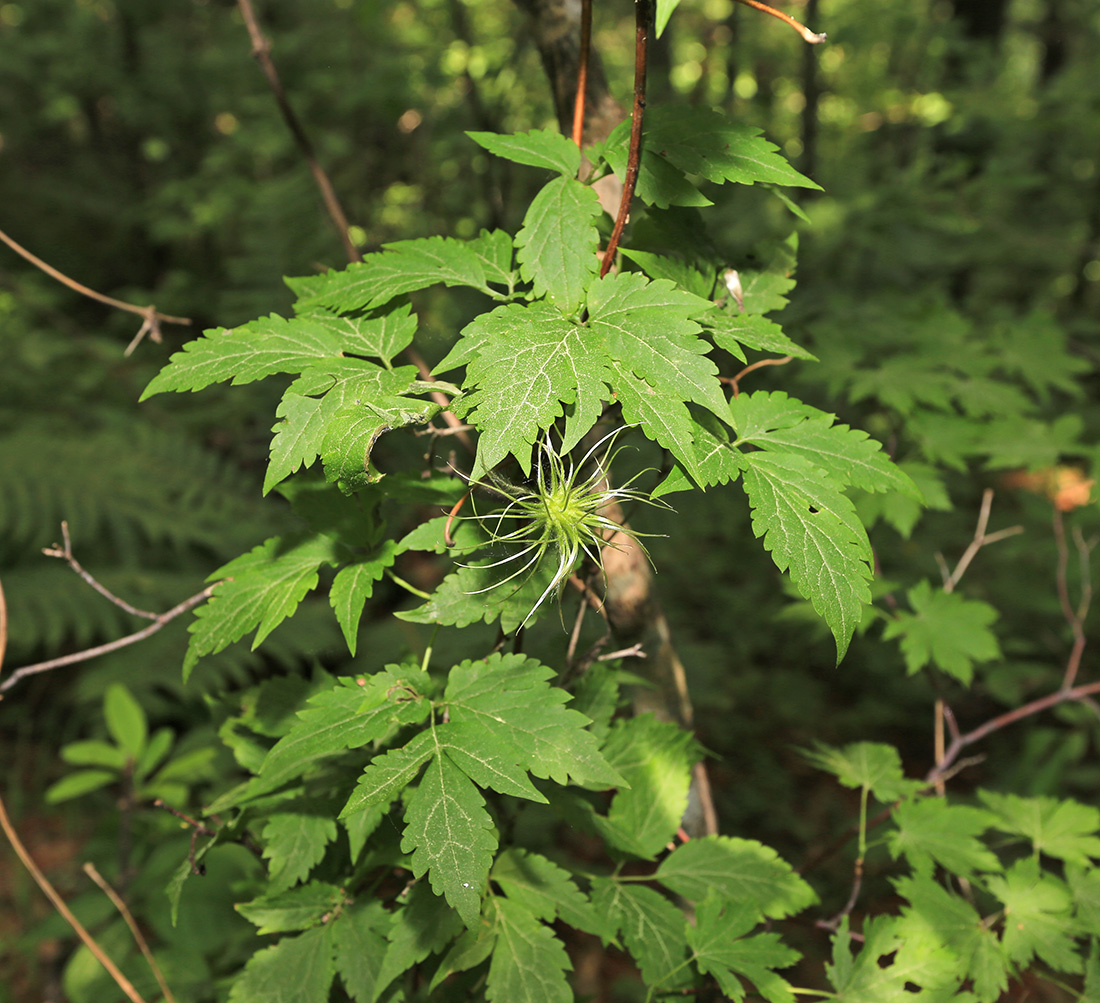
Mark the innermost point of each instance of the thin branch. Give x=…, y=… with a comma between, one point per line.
x=66, y=554
x=582, y=71
x=197, y=829
x=59, y=904
x=643, y=12
x=1075, y=617
x=980, y=539
x=152, y=318
x=82, y=656
x=116, y=901
x=733, y=381
x=261, y=50
x=3, y=625
x=813, y=37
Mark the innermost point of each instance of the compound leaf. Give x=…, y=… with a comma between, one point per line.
x=354, y=585
x=295, y=970
x=932, y=831
x=1038, y=916
x=1063, y=828
x=297, y=909
x=546, y=890
x=295, y=840
x=652, y=929
x=544, y=148
x=529, y=963
x=866, y=764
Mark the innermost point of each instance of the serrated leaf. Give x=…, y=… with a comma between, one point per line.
x=494, y=248
x=720, y=947
x=422, y=926
x=933, y=909
x=488, y=762
x=383, y=336
x=388, y=774
x=125, y=720
x=360, y=947
x=297, y=909
x=546, y=891
x=741, y=870
x=297, y=439
x=1061, y=828
x=508, y=696
x=655, y=758
x=531, y=362
x=556, y=246
x=866, y=764
x=246, y=353
x=1084, y=882
x=664, y=12
x=354, y=585
x=812, y=529
x=295, y=970
x=261, y=589
x=676, y=270
x=529, y=963
x=945, y=629
x=346, y=717
x=451, y=837
x=470, y=950
x=652, y=929
x=732, y=330
x=706, y=142
x=538, y=148
x=1038, y=916
x=932, y=831
x=294, y=841
x=403, y=267
x=849, y=455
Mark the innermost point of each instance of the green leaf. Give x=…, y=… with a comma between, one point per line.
x=531, y=362
x=1038, y=916
x=246, y=353
x=382, y=336
x=295, y=970
x=494, y=249
x=946, y=629
x=655, y=758
x=360, y=947
x=125, y=720
x=720, y=948
x=556, y=246
x=664, y=12
x=741, y=870
x=346, y=717
x=509, y=698
x=659, y=183
x=529, y=963
x=403, y=267
x=354, y=585
x=652, y=929
x=544, y=148
x=546, y=891
x=261, y=589
x=677, y=271
x=451, y=837
x=78, y=783
x=1061, y=828
x=866, y=764
x=423, y=926
x=932, y=831
x=1084, y=882
x=387, y=775
x=732, y=330
x=954, y=921
x=811, y=528
x=94, y=753
x=298, y=909
x=848, y=455
x=295, y=840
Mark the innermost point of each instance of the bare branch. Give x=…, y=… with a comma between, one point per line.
x=152, y=318
x=813, y=37
x=59, y=904
x=733, y=381
x=116, y=901
x=981, y=539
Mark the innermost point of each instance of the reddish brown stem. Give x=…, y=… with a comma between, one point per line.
x=812, y=37
x=582, y=71
x=643, y=10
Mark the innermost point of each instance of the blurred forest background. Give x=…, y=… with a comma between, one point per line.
x=948, y=279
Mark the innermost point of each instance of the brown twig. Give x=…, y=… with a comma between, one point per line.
x=582, y=71
x=59, y=904
x=65, y=552
x=116, y=901
x=733, y=381
x=643, y=11
x=261, y=50
x=813, y=37
x=82, y=656
x=197, y=829
x=151, y=317
x=1075, y=617
x=980, y=539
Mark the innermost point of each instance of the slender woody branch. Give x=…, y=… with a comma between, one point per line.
x=151, y=318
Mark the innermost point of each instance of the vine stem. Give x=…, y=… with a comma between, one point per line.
x=582, y=71
x=643, y=20
x=151, y=317
x=59, y=904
